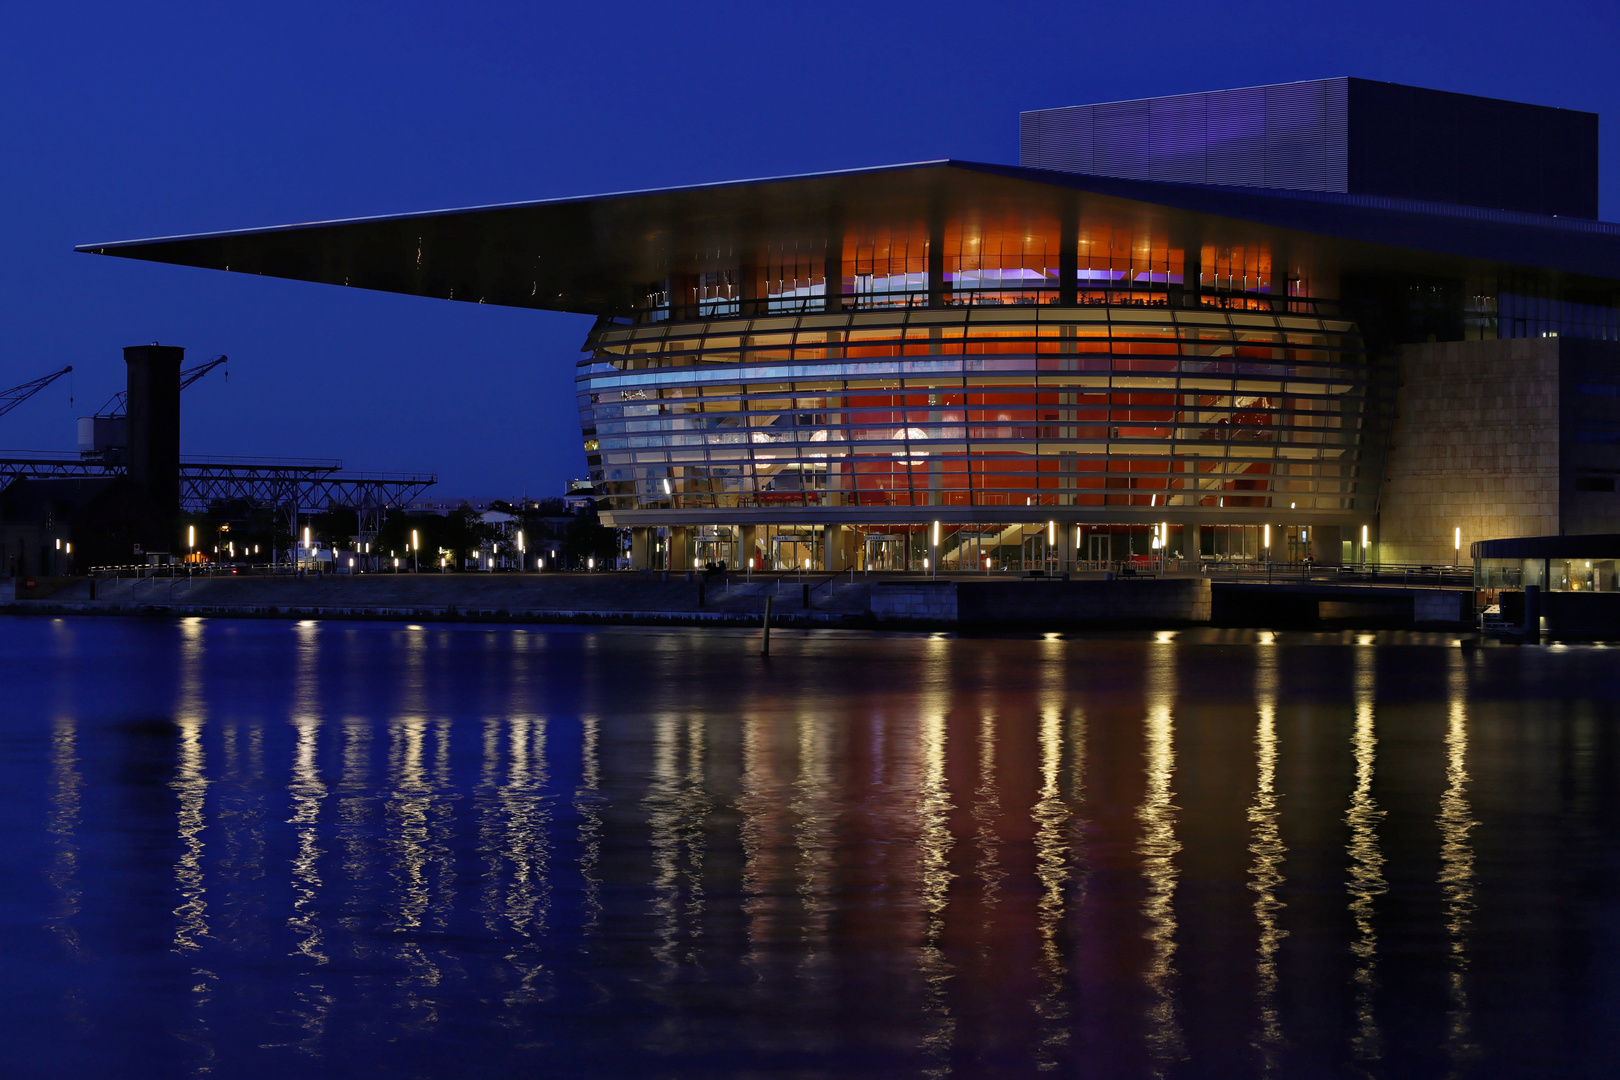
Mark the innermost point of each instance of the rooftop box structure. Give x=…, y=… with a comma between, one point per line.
x=1353, y=136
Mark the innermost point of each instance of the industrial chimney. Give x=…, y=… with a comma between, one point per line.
x=154, y=433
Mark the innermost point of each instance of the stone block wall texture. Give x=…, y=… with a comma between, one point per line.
x=1156, y=601
x=1475, y=445
x=921, y=601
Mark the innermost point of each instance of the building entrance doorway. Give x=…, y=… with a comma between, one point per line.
x=715, y=549
x=793, y=552
x=1098, y=547
x=886, y=552
x=1037, y=552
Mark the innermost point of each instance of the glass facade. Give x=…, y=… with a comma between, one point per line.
x=1535, y=316
x=981, y=413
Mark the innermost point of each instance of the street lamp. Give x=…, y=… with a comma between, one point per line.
x=416, y=547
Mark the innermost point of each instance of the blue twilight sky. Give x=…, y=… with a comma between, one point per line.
x=123, y=120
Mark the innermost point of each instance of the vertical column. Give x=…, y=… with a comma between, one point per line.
x=681, y=303
x=680, y=547
x=1192, y=271
x=749, y=300
x=641, y=541
x=1325, y=545
x=1069, y=254
x=1194, y=546
x=1280, y=260
x=833, y=267
x=832, y=551
x=936, y=257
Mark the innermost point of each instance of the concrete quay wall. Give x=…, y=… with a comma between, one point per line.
x=833, y=601
x=969, y=604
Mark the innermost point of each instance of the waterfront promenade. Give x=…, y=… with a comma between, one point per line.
x=896, y=600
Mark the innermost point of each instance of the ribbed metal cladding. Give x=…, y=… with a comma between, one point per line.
x=1292, y=135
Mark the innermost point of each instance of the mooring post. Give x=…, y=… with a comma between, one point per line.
x=765, y=638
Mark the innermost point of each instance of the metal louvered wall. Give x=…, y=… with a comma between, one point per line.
x=1293, y=135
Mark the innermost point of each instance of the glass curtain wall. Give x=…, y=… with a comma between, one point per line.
x=983, y=260
x=1007, y=408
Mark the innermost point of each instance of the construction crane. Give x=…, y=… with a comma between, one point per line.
x=19, y=394
x=118, y=404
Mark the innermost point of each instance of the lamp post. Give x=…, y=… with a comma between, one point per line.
x=416, y=559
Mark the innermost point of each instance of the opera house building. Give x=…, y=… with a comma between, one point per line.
x=1339, y=320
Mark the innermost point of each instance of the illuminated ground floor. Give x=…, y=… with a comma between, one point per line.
x=955, y=547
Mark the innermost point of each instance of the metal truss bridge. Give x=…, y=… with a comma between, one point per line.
x=294, y=486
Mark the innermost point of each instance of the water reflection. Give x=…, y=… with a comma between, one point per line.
x=517, y=820
x=191, y=787
x=1052, y=814
x=1457, y=866
x=308, y=792
x=1266, y=845
x=934, y=843
x=365, y=850
x=588, y=806
x=1366, y=860
x=1158, y=848
x=813, y=799
x=676, y=805
x=62, y=823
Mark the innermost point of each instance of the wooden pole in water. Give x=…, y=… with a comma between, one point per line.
x=765, y=638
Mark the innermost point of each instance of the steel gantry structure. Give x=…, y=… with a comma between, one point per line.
x=10, y=399
x=295, y=487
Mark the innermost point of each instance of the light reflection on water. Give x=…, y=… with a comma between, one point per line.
x=1366, y=860
x=334, y=849
x=1266, y=876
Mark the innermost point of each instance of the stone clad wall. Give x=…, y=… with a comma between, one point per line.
x=1475, y=444
x=914, y=601
x=1142, y=601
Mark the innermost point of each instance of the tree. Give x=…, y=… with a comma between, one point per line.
x=587, y=538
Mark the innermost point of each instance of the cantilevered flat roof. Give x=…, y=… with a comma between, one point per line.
x=597, y=254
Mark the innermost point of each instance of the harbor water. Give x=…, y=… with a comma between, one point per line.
x=245, y=848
